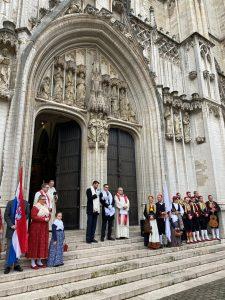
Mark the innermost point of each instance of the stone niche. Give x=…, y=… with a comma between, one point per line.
x=87, y=81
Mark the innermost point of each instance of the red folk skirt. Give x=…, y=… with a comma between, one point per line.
x=38, y=240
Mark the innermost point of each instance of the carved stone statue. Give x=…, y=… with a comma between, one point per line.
x=96, y=78
x=58, y=83
x=131, y=114
x=81, y=87
x=4, y=72
x=114, y=98
x=45, y=89
x=74, y=8
x=69, y=91
x=102, y=131
x=186, y=127
x=177, y=125
x=92, y=130
x=123, y=104
x=168, y=123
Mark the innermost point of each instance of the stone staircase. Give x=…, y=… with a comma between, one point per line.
x=118, y=269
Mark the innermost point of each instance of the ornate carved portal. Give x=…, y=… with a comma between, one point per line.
x=85, y=80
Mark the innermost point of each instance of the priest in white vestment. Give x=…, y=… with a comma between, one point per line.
x=122, y=214
x=52, y=194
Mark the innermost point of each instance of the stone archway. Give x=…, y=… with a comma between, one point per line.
x=67, y=33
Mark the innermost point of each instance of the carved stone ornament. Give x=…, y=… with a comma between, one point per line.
x=81, y=86
x=200, y=139
x=8, y=37
x=45, y=88
x=97, y=130
x=215, y=110
x=53, y=3
x=74, y=8
x=212, y=77
x=118, y=6
x=206, y=74
x=69, y=83
x=186, y=128
x=177, y=125
x=168, y=123
x=4, y=74
x=58, y=80
x=91, y=10
x=193, y=75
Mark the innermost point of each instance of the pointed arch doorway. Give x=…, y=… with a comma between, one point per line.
x=57, y=156
x=121, y=168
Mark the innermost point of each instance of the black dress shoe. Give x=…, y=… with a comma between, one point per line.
x=18, y=268
x=111, y=239
x=94, y=241
x=102, y=239
x=7, y=270
x=88, y=242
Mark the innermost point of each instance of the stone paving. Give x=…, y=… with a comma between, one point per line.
x=210, y=291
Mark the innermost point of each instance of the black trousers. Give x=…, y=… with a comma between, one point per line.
x=91, y=227
x=107, y=220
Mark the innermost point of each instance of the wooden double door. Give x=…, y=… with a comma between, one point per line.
x=122, y=168
x=68, y=173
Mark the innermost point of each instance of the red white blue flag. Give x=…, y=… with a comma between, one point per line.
x=20, y=237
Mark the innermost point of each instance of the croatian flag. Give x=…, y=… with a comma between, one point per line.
x=19, y=239
x=168, y=209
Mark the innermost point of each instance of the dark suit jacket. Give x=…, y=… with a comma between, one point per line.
x=90, y=199
x=104, y=204
x=9, y=218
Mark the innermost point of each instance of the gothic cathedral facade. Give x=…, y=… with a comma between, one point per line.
x=126, y=92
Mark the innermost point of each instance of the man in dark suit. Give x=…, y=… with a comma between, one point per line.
x=160, y=217
x=108, y=212
x=9, y=218
x=93, y=210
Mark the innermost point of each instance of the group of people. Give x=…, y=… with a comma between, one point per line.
x=189, y=219
x=43, y=218
x=112, y=207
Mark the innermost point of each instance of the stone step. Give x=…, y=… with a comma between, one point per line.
x=140, y=259
x=183, y=287
x=157, y=283
x=71, y=264
x=67, y=285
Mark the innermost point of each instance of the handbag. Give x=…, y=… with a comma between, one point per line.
x=147, y=227
x=178, y=232
x=65, y=247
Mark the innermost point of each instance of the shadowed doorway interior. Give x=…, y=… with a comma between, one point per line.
x=57, y=155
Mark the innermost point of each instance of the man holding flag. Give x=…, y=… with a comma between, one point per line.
x=16, y=216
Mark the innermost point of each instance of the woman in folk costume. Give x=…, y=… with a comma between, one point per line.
x=188, y=220
x=176, y=222
x=150, y=215
x=38, y=234
x=122, y=214
x=214, y=209
x=196, y=212
x=55, y=257
x=204, y=219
